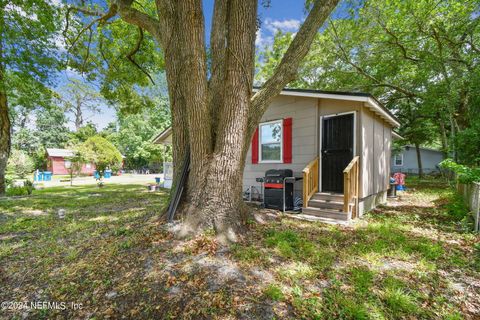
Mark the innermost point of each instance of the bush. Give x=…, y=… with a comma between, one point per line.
x=16, y=191
x=102, y=153
x=19, y=164
x=464, y=174
x=24, y=190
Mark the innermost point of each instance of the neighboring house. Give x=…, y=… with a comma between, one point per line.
x=339, y=142
x=165, y=138
x=58, y=163
x=406, y=160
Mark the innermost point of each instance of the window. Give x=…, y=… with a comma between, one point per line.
x=68, y=164
x=398, y=160
x=270, y=144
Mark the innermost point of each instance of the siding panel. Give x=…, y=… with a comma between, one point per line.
x=304, y=114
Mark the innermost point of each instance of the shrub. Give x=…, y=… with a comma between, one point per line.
x=464, y=174
x=19, y=164
x=24, y=190
x=16, y=191
x=102, y=153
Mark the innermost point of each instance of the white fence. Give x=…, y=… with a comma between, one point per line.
x=471, y=195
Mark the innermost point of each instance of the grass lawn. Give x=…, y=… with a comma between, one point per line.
x=113, y=255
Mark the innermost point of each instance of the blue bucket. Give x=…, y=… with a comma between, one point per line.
x=38, y=176
x=47, y=176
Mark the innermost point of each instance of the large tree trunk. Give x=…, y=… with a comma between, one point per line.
x=78, y=116
x=4, y=135
x=444, y=138
x=419, y=160
x=5, y=128
x=214, y=113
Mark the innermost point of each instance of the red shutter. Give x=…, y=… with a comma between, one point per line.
x=287, y=140
x=255, y=147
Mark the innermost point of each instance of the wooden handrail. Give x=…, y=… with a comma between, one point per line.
x=310, y=180
x=350, y=186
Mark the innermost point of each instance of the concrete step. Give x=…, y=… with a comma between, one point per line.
x=309, y=217
x=326, y=204
x=327, y=196
x=326, y=213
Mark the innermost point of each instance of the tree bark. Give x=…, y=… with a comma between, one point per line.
x=444, y=138
x=419, y=160
x=78, y=115
x=5, y=126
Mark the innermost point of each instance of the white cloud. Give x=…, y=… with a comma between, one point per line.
x=270, y=27
x=289, y=25
x=261, y=41
x=72, y=73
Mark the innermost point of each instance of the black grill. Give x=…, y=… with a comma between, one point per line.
x=274, y=187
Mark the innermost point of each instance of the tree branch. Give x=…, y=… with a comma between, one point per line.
x=134, y=51
x=360, y=70
x=218, y=44
x=288, y=67
x=140, y=19
x=102, y=18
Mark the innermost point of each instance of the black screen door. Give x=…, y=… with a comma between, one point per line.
x=337, y=150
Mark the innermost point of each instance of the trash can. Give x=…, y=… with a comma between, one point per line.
x=108, y=174
x=38, y=176
x=157, y=180
x=392, y=191
x=47, y=176
x=96, y=174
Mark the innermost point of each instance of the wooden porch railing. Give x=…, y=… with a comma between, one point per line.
x=310, y=181
x=350, y=186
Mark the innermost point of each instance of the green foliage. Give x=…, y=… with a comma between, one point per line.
x=273, y=292
x=77, y=160
x=247, y=254
x=24, y=190
x=468, y=143
x=456, y=208
x=122, y=82
x=102, y=153
x=16, y=191
x=29, y=51
x=420, y=58
x=287, y=242
x=50, y=131
x=51, y=127
x=400, y=302
x=83, y=133
x=135, y=133
x=464, y=173
x=19, y=164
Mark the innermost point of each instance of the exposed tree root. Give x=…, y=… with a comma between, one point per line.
x=227, y=223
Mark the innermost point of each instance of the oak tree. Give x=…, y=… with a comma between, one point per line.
x=214, y=111
x=28, y=59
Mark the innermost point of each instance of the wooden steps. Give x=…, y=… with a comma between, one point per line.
x=328, y=206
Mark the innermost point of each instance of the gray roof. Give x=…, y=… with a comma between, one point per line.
x=162, y=137
x=53, y=152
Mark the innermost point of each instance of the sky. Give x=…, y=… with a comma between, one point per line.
x=284, y=15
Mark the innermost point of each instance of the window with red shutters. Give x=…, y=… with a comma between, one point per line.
x=268, y=147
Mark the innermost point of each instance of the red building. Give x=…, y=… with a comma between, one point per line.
x=58, y=163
